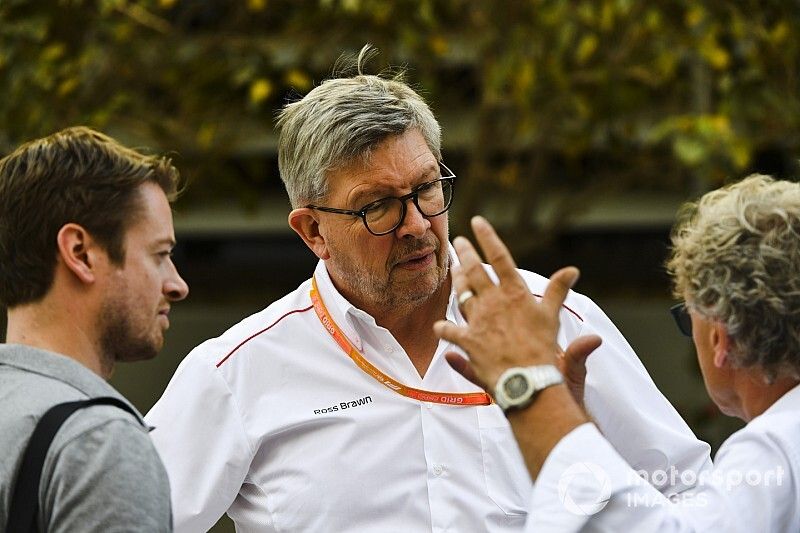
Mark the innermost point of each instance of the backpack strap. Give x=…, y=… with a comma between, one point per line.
x=24, y=508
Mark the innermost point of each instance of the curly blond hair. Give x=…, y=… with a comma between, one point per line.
x=736, y=260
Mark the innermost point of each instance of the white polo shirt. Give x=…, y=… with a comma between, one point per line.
x=753, y=486
x=274, y=424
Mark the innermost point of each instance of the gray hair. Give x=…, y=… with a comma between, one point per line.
x=736, y=260
x=343, y=119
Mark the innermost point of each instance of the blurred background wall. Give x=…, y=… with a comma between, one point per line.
x=577, y=126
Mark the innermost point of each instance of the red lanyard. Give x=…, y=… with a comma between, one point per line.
x=450, y=398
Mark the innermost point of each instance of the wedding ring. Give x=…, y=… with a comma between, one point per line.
x=464, y=296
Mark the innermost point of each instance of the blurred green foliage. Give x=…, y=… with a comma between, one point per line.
x=539, y=96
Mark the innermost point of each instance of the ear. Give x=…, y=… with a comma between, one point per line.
x=77, y=251
x=305, y=222
x=720, y=342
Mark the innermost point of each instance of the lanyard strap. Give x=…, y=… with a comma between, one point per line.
x=450, y=398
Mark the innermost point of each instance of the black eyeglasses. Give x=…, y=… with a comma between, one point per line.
x=383, y=216
x=682, y=318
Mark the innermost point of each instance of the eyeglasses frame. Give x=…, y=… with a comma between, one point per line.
x=682, y=318
x=413, y=196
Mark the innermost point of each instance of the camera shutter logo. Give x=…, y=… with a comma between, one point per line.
x=584, y=488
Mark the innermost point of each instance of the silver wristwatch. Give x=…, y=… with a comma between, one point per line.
x=517, y=386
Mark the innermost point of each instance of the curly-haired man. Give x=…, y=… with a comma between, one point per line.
x=735, y=264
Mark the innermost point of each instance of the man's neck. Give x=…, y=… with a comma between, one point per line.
x=757, y=396
x=412, y=325
x=42, y=326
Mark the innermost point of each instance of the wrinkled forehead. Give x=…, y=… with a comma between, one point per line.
x=398, y=162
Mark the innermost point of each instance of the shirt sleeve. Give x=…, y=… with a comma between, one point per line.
x=631, y=412
x=199, y=434
x=585, y=485
x=107, y=479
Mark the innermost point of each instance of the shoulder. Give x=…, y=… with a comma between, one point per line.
x=765, y=455
x=576, y=304
x=778, y=432
x=770, y=442
x=27, y=398
x=105, y=420
x=271, y=322
x=106, y=465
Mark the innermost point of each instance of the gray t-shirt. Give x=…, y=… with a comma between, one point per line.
x=102, y=472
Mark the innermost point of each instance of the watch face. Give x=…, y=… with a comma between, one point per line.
x=515, y=386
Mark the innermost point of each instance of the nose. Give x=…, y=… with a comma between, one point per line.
x=175, y=288
x=414, y=223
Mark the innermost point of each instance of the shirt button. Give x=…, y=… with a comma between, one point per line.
x=429, y=405
x=388, y=348
x=438, y=469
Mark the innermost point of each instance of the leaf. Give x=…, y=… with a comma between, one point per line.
x=205, y=136
x=53, y=52
x=689, y=150
x=740, y=153
x=68, y=86
x=260, y=90
x=586, y=48
x=298, y=79
x=256, y=5
x=694, y=16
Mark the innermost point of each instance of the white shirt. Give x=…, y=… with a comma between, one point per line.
x=753, y=485
x=272, y=423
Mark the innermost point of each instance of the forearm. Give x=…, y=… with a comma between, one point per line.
x=541, y=425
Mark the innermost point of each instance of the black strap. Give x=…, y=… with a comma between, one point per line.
x=25, y=499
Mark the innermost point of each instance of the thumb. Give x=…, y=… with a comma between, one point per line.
x=576, y=354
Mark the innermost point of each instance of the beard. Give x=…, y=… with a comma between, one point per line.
x=120, y=338
x=386, y=292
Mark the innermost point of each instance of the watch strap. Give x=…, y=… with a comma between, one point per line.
x=538, y=377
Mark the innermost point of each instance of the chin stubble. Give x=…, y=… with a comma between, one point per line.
x=119, y=341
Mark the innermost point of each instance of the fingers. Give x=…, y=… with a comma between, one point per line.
x=471, y=265
x=558, y=287
x=495, y=251
x=451, y=333
x=573, y=364
x=463, y=367
x=461, y=286
x=579, y=349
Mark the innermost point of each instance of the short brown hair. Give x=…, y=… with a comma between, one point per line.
x=76, y=175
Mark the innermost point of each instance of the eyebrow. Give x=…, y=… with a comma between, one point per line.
x=165, y=240
x=384, y=192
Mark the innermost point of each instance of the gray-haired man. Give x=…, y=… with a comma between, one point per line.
x=333, y=409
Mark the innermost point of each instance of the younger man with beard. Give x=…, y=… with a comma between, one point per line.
x=85, y=272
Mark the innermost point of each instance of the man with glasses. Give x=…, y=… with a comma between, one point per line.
x=735, y=259
x=333, y=409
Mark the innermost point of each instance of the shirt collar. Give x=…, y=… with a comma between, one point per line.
x=342, y=311
x=60, y=367
x=347, y=315
x=453, y=313
x=788, y=402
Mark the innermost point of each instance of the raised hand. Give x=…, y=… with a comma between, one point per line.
x=507, y=326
